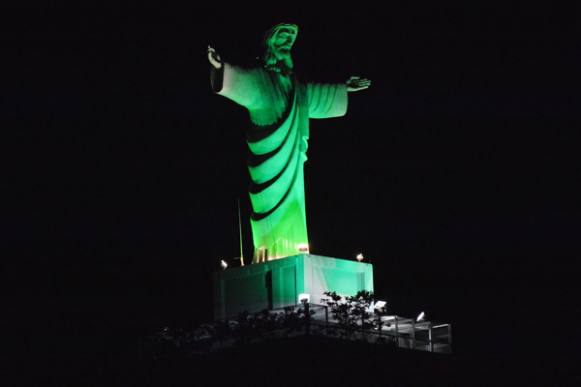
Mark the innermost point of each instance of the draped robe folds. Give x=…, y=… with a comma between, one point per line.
x=280, y=108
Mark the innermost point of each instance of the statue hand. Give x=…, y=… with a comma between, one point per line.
x=214, y=58
x=357, y=83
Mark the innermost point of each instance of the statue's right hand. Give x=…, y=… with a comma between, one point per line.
x=214, y=58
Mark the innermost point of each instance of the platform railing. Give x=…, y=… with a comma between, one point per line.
x=398, y=331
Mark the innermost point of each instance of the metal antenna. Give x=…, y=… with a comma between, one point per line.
x=240, y=232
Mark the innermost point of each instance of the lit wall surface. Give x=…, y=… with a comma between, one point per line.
x=277, y=283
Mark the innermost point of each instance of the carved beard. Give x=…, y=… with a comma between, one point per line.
x=281, y=63
x=286, y=65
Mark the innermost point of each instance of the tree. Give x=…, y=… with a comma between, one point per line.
x=351, y=311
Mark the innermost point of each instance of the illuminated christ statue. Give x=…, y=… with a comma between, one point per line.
x=280, y=108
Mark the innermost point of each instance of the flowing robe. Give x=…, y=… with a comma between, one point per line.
x=280, y=108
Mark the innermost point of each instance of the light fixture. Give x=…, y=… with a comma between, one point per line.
x=303, y=248
x=359, y=257
x=223, y=264
x=420, y=317
x=376, y=307
x=304, y=298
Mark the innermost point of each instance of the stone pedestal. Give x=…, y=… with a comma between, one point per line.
x=278, y=283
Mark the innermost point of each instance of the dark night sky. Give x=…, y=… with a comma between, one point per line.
x=454, y=174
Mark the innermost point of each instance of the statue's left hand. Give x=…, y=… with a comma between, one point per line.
x=357, y=83
x=214, y=58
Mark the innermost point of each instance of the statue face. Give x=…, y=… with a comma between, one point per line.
x=282, y=42
x=278, y=42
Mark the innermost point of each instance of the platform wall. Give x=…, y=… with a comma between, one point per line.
x=277, y=283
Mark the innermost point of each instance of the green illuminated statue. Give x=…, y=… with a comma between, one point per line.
x=280, y=108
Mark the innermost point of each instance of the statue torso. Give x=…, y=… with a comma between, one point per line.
x=277, y=92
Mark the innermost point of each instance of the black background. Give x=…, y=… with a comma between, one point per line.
x=455, y=173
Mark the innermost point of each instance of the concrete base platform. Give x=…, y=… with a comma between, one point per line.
x=278, y=283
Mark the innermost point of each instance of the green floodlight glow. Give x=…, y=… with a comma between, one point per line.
x=280, y=107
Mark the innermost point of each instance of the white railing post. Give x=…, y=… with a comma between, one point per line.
x=396, y=333
x=450, y=336
x=430, y=338
x=413, y=334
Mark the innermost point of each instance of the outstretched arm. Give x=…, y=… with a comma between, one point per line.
x=327, y=100
x=239, y=85
x=357, y=83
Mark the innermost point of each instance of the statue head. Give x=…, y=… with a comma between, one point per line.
x=278, y=42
